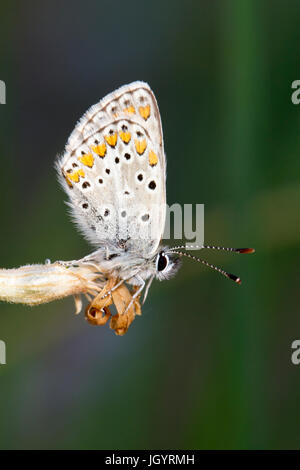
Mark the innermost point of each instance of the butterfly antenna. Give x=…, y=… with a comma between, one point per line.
x=212, y=266
x=211, y=247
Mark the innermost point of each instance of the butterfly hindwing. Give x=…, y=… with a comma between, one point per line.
x=113, y=171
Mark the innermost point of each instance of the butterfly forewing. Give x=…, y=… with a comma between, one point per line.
x=113, y=171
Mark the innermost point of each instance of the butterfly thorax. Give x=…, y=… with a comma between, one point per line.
x=135, y=267
x=125, y=265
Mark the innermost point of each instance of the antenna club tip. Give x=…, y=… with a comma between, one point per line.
x=234, y=278
x=246, y=250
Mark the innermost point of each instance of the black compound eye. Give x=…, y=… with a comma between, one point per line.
x=162, y=262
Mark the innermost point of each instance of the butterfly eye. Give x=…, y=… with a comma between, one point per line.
x=162, y=262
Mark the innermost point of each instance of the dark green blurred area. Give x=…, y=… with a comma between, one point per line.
x=208, y=365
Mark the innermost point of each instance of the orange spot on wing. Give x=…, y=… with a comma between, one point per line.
x=76, y=175
x=129, y=110
x=145, y=111
x=140, y=146
x=125, y=136
x=111, y=139
x=152, y=158
x=99, y=149
x=87, y=160
x=67, y=180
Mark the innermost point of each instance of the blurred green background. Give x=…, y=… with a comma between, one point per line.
x=208, y=365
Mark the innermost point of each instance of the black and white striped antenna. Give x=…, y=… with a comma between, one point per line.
x=233, y=277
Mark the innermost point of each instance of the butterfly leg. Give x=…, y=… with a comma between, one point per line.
x=136, y=294
x=113, y=288
x=121, y=282
x=147, y=289
x=68, y=264
x=90, y=259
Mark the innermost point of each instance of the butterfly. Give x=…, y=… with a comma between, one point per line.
x=114, y=173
